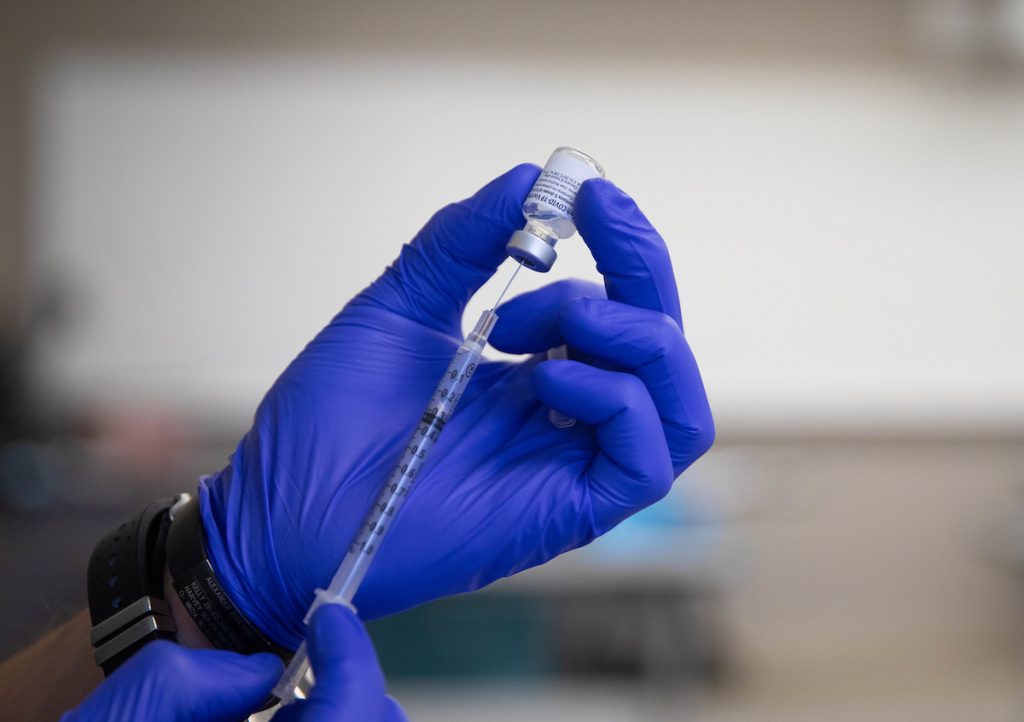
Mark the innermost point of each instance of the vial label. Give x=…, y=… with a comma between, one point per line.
x=556, y=188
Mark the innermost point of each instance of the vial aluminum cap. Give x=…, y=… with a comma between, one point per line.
x=533, y=252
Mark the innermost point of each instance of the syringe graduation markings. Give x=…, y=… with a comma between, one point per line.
x=395, y=491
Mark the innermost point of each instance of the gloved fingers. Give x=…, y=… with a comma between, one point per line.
x=650, y=345
x=630, y=253
x=633, y=468
x=349, y=681
x=528, y=323
x=458, y=249
x=232, y=686
x=200, y=685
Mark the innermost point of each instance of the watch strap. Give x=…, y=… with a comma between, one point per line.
x=125, y=587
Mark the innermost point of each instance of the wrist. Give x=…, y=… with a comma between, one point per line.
x=150, y=579
x=242, y=552
x=212, y=612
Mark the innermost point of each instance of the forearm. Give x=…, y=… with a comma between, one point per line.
x=56, y=673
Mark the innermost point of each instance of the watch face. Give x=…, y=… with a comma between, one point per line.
x=201, y=593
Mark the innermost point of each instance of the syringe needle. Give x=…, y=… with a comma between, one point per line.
x=505, y=290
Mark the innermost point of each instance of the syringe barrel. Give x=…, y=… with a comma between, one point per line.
x=396, y=489
x=399, y=483
x=294, y=674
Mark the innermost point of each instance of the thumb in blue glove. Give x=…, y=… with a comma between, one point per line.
x=349, y=682
x=165, y=681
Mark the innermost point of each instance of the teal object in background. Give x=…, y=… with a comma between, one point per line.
x=684, y=529
x=506, y=637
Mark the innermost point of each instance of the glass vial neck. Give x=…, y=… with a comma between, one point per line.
x=542, y=231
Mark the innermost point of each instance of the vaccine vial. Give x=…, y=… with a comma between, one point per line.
x=550, y=208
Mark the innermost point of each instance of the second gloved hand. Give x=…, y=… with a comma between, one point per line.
x=505, y=489
x=165, y=681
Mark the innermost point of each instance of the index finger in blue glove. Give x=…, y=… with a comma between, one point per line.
x=630, y=253
x=458, y=249
x=529, y=323
x=647, y=343
x=650, y=345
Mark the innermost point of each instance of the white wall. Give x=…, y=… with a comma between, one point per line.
x=848, y=243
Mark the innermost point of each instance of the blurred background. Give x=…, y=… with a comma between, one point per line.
x=189, y=190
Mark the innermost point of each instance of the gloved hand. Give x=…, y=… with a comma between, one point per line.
x=505, y=489
x=165, y=681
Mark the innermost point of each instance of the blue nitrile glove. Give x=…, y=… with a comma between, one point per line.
x=165, y=681
x=504, y=489
x=349, y=682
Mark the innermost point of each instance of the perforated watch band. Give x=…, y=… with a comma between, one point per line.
x=125, y=586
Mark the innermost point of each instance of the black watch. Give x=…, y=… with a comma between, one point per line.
x=125, y=583
x=201, y=593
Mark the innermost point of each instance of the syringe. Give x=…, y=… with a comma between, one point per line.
x=297, y=678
